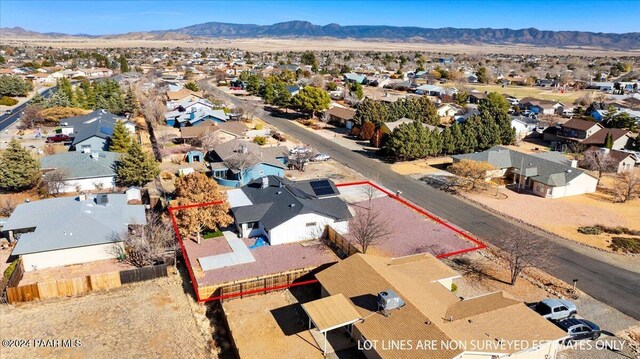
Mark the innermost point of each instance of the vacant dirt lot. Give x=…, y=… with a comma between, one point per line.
x=154, y=319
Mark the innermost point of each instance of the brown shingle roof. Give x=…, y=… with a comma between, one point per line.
x=342, y=113
x=599, y=137
x=180, y=94
x=580, y=124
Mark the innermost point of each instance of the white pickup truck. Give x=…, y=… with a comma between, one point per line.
x=554, y=309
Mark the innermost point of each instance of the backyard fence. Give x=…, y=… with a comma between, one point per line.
x=83, y=285
x=254, y=286
x=338, y=243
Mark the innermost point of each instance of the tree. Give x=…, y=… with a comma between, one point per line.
x=461, y=98
x=299, y=159
x=356, y=90
x=626, y=186
x=124, y=65
x=522, y=251
x=131, y=103
x=14, y=86
x=198, y=188
x=59, y=99
x=369, y=226
x=601, y=162
x=620, y=120
x=308, y=58
x=31, y=117
x=55, y=181
x=411, y=141
x=192, y=86
x=120, y=140
x=471, y=174
x=448, y=144
x=18, y=169
x=146, y=244
x=495, y=109
x=367, y=131
x=136, y=167
x=311, y=100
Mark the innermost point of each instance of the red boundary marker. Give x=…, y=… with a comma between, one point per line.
x=479, y=244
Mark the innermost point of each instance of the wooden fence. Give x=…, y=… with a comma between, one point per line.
x=254, y=286
x=83, y=285
x=338, y=243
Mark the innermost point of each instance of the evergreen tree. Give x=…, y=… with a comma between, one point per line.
x=120, y=140
x=356, y=90
x=131, y=103
x=124, y=65
x=608, y=141
x=136, y=167
x=18, y=169
x=192, y=86
x=457, y=137
x=60, y=99
x=311, y=100
x=448, y=144
x=283, y=96
x=495, y=109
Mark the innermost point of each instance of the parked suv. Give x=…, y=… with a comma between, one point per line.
x=554, y=309
x=580, y=329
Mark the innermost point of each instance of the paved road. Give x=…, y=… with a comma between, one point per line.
x=7, y=120
x=608, y=283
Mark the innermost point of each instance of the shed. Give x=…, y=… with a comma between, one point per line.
x=133, y=194
x=195, y=156
x=331, y=313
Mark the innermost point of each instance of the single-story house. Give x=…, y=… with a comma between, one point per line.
x=70, y=230
x=225, y=131
x=236, y=162
x=85, y=171
x=539, y=106
x=409, y=300
x=448, y=109
x=91, y=132
x=195, y=117
x=285, y=211
x=353, y=77
x=546, y=174
x=621, y=161
x=173, y=98
x=341, y=116
x=523, y=125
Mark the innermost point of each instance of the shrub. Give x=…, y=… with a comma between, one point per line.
x=211, y=234
x=355, y=131
x=454, y=287
x=625, y=244
x=7, y=101
x=259, y=126
x=279, y=137
x=260, y=140
x=590, y=230
x=9, y=271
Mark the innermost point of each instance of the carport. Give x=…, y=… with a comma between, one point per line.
x=331, y=313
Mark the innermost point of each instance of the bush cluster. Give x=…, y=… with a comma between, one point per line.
x=625, y=244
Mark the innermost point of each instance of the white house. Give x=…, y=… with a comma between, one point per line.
x=84, y=171
x=70, y=230
x=284, y=211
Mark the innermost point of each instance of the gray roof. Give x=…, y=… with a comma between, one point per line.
x=69, y=222
x=551, y=168
x=82, y=165
x=98, y=123
x=230, y=150
x=283, y=200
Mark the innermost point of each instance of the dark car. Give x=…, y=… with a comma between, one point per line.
x=579, y=329
x=59, y=138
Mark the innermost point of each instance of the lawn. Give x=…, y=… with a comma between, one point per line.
x=211, y=234
x=529, y=91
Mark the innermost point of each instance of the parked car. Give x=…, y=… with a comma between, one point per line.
x=580, y=329
x=320, y=157
x=299, y=149
x=8, y=112
x=59, y=138
x=554, y=309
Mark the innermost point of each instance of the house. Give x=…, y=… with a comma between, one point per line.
x=341, y=116
x=589, y=133
x=621, y=161
x=388, y=127
x=85, y=171
x=195, y=116
x=173, y=98
x=285, y=211
x=91, y=132
x=546, y=174
x=236, y=163
x=538, y=106
x=523, y=125
x=424, y=311
x=352, y=77
x=41, y=78
x=96, y=72
x=225, y=131
x=476, y=97
x=70, y=230
x=448, y=110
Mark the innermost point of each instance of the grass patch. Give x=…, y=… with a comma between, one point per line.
x=625, y=244
x=211, y=234
x=599, y=229
x=9, y=271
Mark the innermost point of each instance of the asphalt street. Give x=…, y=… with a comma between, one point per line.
x=7, y=120
x=618, y=287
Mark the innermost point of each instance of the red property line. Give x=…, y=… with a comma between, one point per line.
x=479, y=244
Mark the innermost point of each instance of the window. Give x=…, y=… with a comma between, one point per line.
x=311, y=224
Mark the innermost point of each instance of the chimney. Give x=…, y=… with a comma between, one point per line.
x=574, y=163
x=82, y=197
x=265, y=182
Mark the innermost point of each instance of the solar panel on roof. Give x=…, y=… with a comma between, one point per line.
x=106, y=130
x=322, y=187
x=320, y=183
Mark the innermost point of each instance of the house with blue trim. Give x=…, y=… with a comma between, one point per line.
x=195, y=117
x=91, y=132
x=236, y=162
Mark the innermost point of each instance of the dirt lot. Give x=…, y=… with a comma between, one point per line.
x=74, y=271
x=329, y=169
x=421, y=167
x=153, y=319
x=563, y=216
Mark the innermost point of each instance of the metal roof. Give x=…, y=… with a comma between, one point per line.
x=82, y=165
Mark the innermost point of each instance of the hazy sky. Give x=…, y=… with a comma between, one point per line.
x=108, y=17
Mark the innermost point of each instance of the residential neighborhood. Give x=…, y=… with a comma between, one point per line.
x=406, y=190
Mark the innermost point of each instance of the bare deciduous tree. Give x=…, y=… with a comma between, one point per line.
x=599, y=161
x=240, y=161
x=7, y=205
x=521, y=251
x=31, y=117
x=146, y=244
x=368, y=226
x=56, y=180
x=299, y=159
x=627, y=186
x=210, y=140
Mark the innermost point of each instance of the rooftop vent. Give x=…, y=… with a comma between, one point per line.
x=102, y=199
x=265, y=182
x=388, y=300
x=292, y=205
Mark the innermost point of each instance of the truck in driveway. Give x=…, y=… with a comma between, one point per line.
x=554, y=309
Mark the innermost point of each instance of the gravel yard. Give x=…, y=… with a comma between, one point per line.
x=153, y=319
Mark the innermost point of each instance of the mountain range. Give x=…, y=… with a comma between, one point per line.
x=305, y=29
